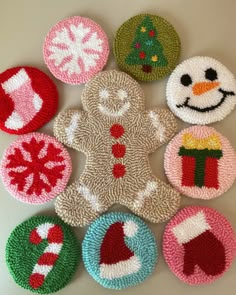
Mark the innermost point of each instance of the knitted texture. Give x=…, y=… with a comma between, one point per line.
x=35, y=168
x=200, y=162
x=199, y=245
x=147, y=47
x=42, y=254
x=76, y=49
x=116, y=134
x=28, y=99
x=201, y=91
x=119, y=250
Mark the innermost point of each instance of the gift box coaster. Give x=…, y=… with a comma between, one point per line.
x=119, y=250
x=116, y=133
x=28, y=99
x=201, y=91
x=199, y=245
x=75, y=49
x=200, y=162
x=147, y=47
x=35, y=168
x=42, y=254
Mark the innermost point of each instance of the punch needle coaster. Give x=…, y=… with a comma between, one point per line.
x=117, y=134
x=76, y=49
x=199, y=245
x=200, y=162
x=28, y=100
x=35, y=168
x=147, y=47
x=42, y=254
x=201, y=91
x=119, y=250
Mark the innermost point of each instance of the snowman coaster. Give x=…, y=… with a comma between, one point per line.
x=75, y=49
x=199, y=245
x=119, y=250
x=28, y=100
x=147, y=47
x=42, y=254
x=35, y=168
x=200, y=162
x=201, y=91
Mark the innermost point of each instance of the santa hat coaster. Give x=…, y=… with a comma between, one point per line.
x=76, y=49
x=119, y=250
x=147, y=47
x=201, y=90
x=200, y=162
x=28, y=100
x=199, y=245
x=35, y=168
x=42, y=254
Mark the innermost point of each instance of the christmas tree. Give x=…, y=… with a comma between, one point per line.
x=146, y=49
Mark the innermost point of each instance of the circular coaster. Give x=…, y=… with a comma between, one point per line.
x=119, y=250
x=28, y=99
x=147, y=47
x=199, y=245
x=200, y=162
x=201, y=90
x=35, y=168
x=42, y=254
x=75, y=49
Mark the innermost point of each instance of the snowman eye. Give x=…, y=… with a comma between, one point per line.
x=186, y=80
x=211, y=74
x=103, y=94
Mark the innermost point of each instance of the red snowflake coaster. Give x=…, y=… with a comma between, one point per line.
x=28, y=100
x=35, y=168
x=76, y=49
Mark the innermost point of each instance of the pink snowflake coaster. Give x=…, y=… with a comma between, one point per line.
x=199, y=245
x=35, y=168
x=75, y=49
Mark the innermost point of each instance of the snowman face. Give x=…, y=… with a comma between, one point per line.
x=201, y=91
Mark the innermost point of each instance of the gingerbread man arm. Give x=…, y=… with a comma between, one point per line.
x=71, y=128
x=160, y=127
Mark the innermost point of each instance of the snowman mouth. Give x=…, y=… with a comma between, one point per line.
x=206, y=109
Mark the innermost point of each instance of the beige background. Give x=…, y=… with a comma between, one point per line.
x=206, y=27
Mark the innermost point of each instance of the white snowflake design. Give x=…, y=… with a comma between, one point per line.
x=84, y=45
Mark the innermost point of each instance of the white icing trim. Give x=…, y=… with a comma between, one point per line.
x=91, y=198
x=14, y=121
x=143, y=194
x=110, y=113
x=160, y=129
x=15, y=81
x=70, y=130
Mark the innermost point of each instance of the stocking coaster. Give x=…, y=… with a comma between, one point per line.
x=76, y=49
x=35, y=168
x=200, y=162
x=42, y=254
x=117, y=134
x=28, y=100
x=147, y=47
x=201, y=91
x=199, y=245
x=119, y=250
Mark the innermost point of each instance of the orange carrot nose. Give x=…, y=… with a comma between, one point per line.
x=202, y=87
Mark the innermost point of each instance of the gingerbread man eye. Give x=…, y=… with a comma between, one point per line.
x=122, y=94
x=103, y=94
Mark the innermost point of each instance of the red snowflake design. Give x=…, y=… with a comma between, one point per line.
x=44, y=177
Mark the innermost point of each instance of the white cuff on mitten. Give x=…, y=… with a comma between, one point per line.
x=190, y=228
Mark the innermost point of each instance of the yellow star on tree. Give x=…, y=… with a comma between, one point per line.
x=143, y=29
x=154, y=58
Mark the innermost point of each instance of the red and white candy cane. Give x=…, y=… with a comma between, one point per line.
x=54, y=235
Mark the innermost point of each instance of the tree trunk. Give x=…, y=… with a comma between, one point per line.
x=147, y=68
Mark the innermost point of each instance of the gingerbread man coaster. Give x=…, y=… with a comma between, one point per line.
x=200, y=162
x=42, y=254
x=199, y=245
x=201, y=90
x=119, y=250
x=116, y=134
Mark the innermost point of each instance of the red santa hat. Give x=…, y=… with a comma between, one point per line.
x=116, y=259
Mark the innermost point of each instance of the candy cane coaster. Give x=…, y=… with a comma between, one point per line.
x=199, y=245
x=42, y=254
x=28, y=99
x=35, y=168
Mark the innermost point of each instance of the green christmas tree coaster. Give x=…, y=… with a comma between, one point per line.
x=42, y=254
x=147, y=47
